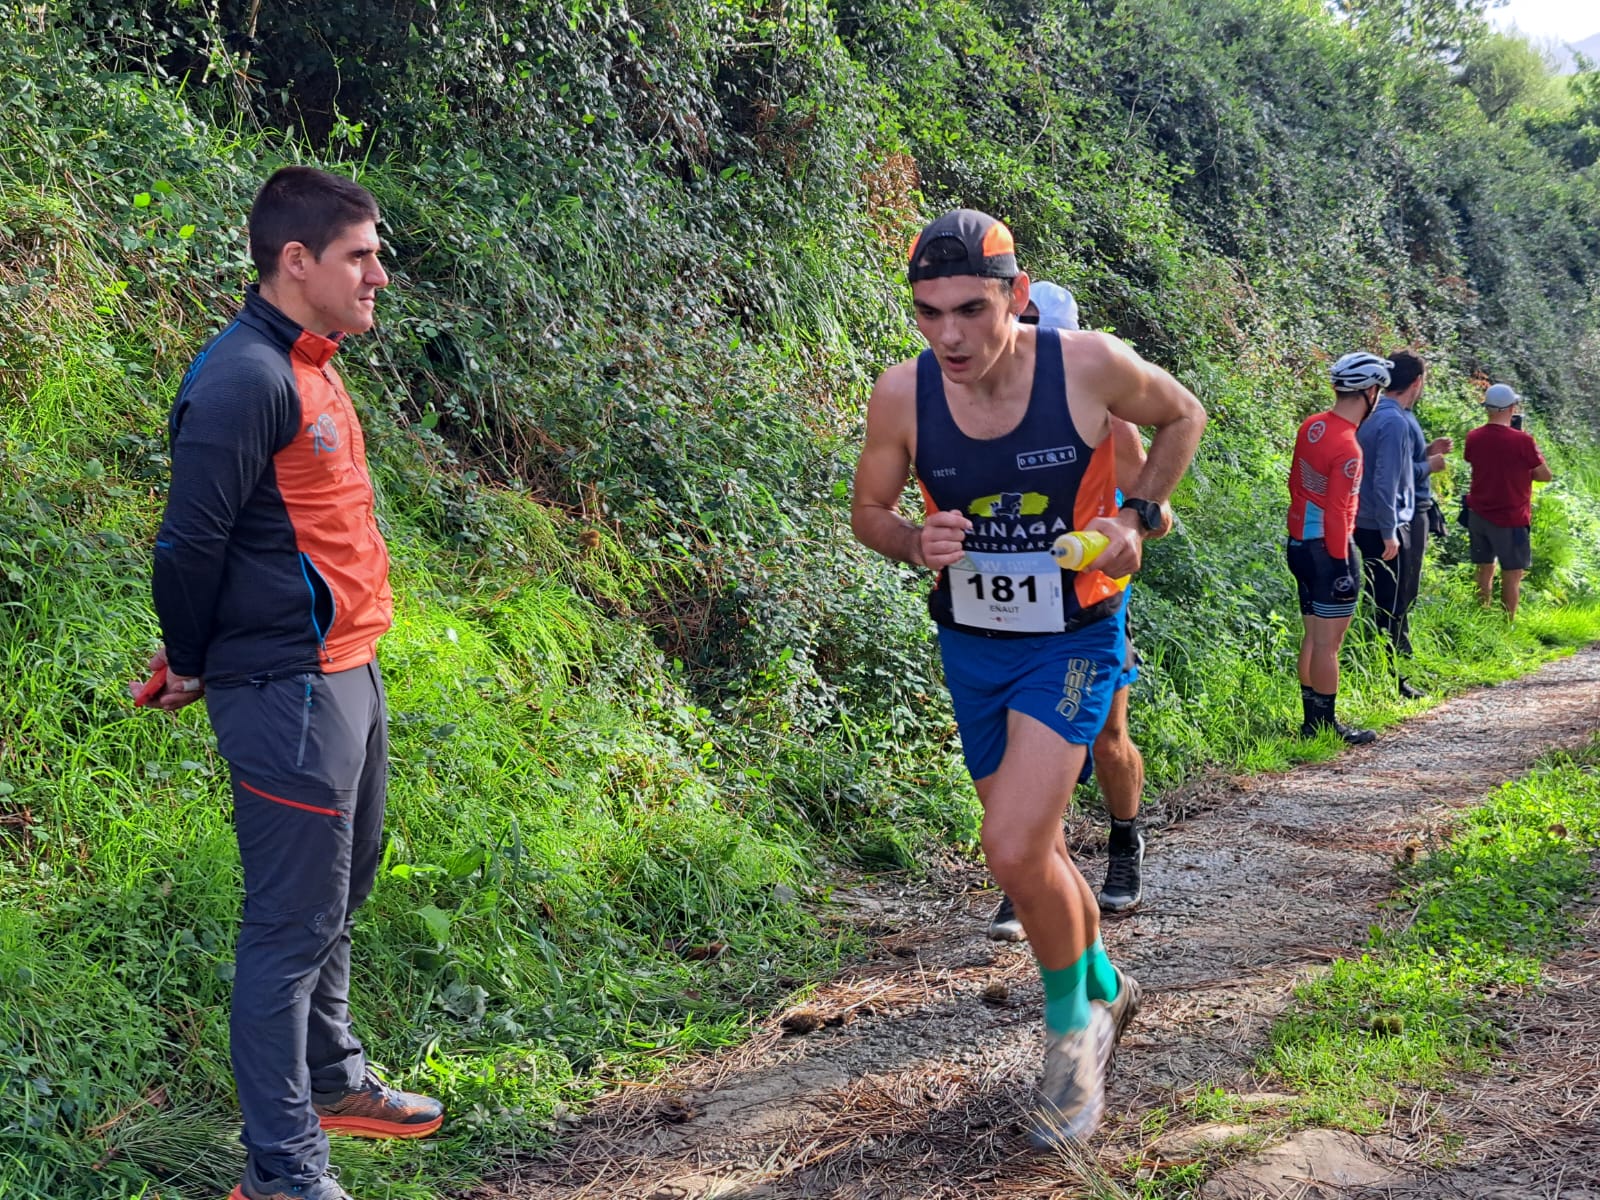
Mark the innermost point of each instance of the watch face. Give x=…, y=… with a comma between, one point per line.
x=1149, y=513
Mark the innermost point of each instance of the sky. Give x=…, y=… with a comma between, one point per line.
x=1565, y=20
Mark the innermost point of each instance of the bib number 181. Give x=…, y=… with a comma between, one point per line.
x=1020, y=593
x=1003, y=589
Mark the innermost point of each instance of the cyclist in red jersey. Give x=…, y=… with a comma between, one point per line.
x=1324, y=480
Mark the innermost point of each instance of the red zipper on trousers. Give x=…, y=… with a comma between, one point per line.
x=326, y=812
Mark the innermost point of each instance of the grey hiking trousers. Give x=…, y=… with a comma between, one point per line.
x=308, y=757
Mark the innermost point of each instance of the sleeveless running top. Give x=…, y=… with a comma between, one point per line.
x=1021, y=491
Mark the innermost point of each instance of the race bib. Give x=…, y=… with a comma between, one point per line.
x=1019, y=593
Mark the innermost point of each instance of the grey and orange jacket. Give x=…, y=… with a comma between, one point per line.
x=269, y=560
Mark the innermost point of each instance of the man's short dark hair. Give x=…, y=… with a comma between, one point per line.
x=305, y=205
x=1407, y=369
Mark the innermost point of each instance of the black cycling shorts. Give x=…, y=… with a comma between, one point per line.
x=1329, y=587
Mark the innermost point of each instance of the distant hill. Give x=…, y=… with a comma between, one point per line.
x=1566, y=56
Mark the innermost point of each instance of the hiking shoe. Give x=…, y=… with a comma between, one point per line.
x=1072, y=1094
x=1407, y=692
x=374, y=1109
x=1004, y=926
x=1123, y=1009
x=1123, y=889
x=253, y=1187
x=1353, y=736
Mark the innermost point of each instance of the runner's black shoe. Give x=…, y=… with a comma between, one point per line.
x=1122, y=889
x=1004, y=926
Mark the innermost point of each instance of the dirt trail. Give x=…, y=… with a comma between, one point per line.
x=917, y=1085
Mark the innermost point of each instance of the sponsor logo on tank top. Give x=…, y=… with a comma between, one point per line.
x=1010, y=522
x=1036, y=460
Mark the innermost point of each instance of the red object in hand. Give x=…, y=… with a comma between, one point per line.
x=153, y=687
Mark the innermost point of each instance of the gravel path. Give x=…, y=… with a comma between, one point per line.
x=915, y=1082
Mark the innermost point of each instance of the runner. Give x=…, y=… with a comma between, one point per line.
x=1114, y=756
x=1324, y=479
x=1009, y=432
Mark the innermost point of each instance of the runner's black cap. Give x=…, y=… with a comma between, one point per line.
x=963, y=242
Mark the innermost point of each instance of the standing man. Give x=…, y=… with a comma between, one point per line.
x=271, y=582
x=1406, y=379
x=1114, y=755
x=1505, y=463
x=1009, y=431
x=1386, y=510
x=1324, y=479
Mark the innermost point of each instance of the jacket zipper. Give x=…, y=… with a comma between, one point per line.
x=355, y=462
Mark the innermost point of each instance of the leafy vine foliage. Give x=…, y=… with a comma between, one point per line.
x=648, y=261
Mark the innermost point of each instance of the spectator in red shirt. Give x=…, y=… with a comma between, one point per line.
x=1505, y=463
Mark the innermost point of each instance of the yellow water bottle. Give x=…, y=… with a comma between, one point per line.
x=1076, y=551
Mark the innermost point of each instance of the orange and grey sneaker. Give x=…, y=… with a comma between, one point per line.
x=374, y=1109
x=253, y=1187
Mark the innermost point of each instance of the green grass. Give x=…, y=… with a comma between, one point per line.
x=1472, y=921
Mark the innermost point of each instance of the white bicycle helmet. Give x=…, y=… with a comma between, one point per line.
x=1359, y=371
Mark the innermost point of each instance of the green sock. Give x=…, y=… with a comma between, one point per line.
x=1101, y=975
x=1066, y=1001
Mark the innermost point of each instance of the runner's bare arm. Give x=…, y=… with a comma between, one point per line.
x=1142, y=393
x=1129, y=448
x=881, y=475
x=1110, y=376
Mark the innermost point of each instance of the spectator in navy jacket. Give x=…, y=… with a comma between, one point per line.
x=1387, y=504
x=1406, y=380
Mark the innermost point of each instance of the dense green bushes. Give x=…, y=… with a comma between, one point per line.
x=646, y=266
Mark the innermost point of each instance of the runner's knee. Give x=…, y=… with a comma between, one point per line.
x=1017, y=858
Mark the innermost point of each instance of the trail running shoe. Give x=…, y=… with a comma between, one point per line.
x=253, y=1187
x=1004, y=926
x=1122, y=889
x=1123, y=1009
x=1072, y=1094
x=374, y=1109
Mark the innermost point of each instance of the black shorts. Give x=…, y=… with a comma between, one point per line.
x=1508, y=543
x=1328, y=586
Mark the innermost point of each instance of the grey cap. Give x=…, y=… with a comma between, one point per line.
x=1500, y=395
x=1057, y=307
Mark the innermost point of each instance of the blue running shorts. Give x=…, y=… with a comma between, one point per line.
x=1063, y=680
x=1130, y=657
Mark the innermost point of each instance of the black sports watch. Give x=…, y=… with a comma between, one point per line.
x=1149, y=513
